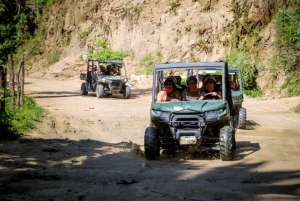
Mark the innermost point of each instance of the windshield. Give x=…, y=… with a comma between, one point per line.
x=188, y=83
x=108, y=67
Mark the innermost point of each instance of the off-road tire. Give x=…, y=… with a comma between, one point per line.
x=242, y=118
x=99, y=91
x=227, y=143
x=151, y=142
x=127, y=93
x=83, y=89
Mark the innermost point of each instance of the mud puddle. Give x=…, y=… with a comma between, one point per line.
x=268, y=132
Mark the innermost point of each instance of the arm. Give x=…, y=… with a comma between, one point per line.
x=217, y=95
x=159, y=96
x=202, y=95
x=176, y=96
x=184, y=95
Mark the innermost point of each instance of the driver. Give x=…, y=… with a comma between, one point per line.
x=114, y=71
x=210, y=91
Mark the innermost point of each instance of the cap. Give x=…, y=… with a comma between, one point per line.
x=190, y=78
x=171, y=78
x=210, y=78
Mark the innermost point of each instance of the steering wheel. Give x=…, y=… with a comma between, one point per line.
x=207, y=95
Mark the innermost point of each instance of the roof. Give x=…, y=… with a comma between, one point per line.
x=203, y=65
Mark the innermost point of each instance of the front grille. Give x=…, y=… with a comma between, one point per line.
x=116, y=84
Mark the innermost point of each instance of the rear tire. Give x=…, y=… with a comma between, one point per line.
x=99, y=91
x=151, y=142
x=127, y=93
x=242, y=118
x=83, y=89
x=227, y=143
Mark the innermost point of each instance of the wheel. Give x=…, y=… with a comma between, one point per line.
x=207, y=95
x=83, y=89
x=227, y=143
x=99, y=91
x=242, y=118
x=151, y=143
x=127, y=92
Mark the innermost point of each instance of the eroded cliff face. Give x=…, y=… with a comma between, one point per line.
x=185, y=30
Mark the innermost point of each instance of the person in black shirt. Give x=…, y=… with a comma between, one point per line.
x=210, y=91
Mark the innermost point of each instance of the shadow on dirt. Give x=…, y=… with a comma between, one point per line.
x=135, y=93
x=53, y=94
x=61, y=169
x=252, y=123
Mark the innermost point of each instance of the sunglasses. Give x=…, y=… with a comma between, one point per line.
x=191, y=83
x=210, y=81
x=168, y=84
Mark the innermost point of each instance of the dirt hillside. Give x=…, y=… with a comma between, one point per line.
x=155, y=31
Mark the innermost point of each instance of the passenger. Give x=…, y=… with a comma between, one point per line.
x=232, y=83
x=192, y=92
x=210, y=91
x=95, y=72
x=169, y=92
x=102, y=70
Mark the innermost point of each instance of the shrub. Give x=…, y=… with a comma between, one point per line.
x=108, y=54
x=21, y=118
x=249, y=72
x=297, y=109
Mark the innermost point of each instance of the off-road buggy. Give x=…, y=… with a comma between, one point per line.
x=105, y=77
x=238, y=97
x=199, y=125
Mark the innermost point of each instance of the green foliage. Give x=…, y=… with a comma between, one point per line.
x=52, y=59
x=183, y=81
x=287, y=43
x=102, y=43
x=253, y=93
x=292, y=85
x=80, y=58
x=249, y=72
x=288, y=38
x=226, y=42
x=188, y=27
x=21, y=118
x=148, y=62
x=174, y=7
x=108, y=54
x=17, y=25
x=297, y=109
x=159, y=56
x=133, y=9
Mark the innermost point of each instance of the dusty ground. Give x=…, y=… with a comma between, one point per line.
x=92, y=149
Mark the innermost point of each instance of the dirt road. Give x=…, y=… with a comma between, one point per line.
x=92, y=149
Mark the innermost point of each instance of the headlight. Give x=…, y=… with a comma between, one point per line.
x=238, y=98
x=213, y=114
x=160, y=113
x=103, y=79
